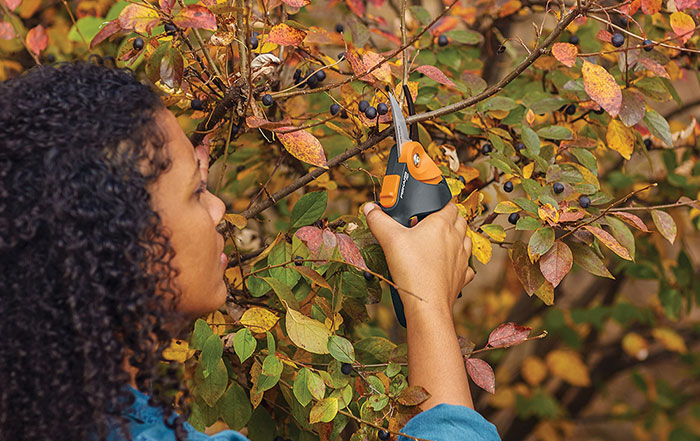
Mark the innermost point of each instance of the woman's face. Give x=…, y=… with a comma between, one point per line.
x=190, y=214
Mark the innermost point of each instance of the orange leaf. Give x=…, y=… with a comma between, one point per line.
x=566, y=53
x=609, y=241
x=436, y=74
x=197, y=17
x=602, y=87
x=37, y=40
x=556, y=263
x=358, y=67
x=632, y=220
x=255, y=122
x=650, y=7
x=285, y=35
x=383, y=72
x=683, y=25
x=107, y=31
x=304, y=146
x=296, y=3
x=654, y=66
x=686, y=4
x=138, y=18
x=6, y=31
x=356, y=6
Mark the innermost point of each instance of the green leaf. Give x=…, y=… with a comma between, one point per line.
x=211, y=354
x=622, y=234
x=213, y=386
x=315, y=385
x=353, y=285
x=555, y=132
x=284, y=292
x=324, y=411
x=527, y=223
x=527, y=205
x=307, y=333
x=234, y=407
x=378, y=402
x=89, y=26
x=272, y=366
x=376, y=384
x=540, y=242
x=341, y=349
x=588, y=260
x=271, y=346
x=280, y=254
x=505, y=168
x=497, y=103
x=244, y=344
x=586, y=159
x=308, y=209
x=464, y=37
x=532, y=188
x=658, y=126
x=201, y=333
x=531, y=141
x=420, y=14
x=301, y=390
x=379, y=347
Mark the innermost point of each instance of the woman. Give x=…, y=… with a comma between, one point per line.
x=109, y=248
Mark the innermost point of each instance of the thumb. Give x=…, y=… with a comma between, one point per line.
x=380, y=224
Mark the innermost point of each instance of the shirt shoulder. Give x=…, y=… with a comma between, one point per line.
x=448, y=422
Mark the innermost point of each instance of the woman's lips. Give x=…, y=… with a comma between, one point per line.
x=223, y=260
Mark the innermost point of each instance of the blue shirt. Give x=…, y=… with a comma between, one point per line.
x=444, y=422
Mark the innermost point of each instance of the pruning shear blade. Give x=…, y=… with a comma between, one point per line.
x=400, y=128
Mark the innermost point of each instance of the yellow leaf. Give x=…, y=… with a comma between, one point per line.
x=218, y=322
x=506, y=207
x=620, y=138
x=234, y=277
x=530, y=116
x=481, y=246
x=670, y=339
x=683, y=25
x=566, y=53
x=455, y=185
x=333, y=325
x=534, y=370
x=495, y=232
x=601, y=86
x=179, y=350
x=237, y=220
x=138, y=18
x=549, y=213
x=259, y=320
x=568, y=366
x=303, y=145
x=286, y=35
x=635, y=345
x=527, y=170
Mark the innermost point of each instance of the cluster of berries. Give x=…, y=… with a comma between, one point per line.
x=371, y=112
x=307, y=79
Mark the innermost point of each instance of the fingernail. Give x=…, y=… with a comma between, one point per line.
x=368, y=207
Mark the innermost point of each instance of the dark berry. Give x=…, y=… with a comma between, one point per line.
x=362, y=105
x=298, y=260
x=267, y=99
x=617, y=39
x=346, y=368
x=368, y=276
x=196, y=104
x=371, y=112
x=623, y=22
x=170, y=29
x=255, y=34
x=462, y=180
x=382, y=108
x=297, y=74
x=520, y=146
x=508, y=187
x=648, y=45
x=486, y=148
x=501, y=49
x=573, y=39
x=50, y=58
x=344, y=114
x=647, y=142
x=442, y=40
x=599, y=111
x=320, y=76
x=341, y=55
x=562, y=108
x=513, y=218
x=253, y=42
x=335, y=108
x=584, y=201
x=138, y=43
x=558, y=187
x=383, y=435
x=339, y=27
x=240, y=168
x=570, y=109
x=312, y=81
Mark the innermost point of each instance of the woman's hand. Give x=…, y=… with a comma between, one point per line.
x=429, y=260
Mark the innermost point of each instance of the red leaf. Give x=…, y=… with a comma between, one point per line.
x=481, y=374
x=255, y=122
x=358, y=67
x=312, y=236
x=303, y=145
x=357, y=7
x=654, y=67
x=296, y=3
x=556, y=263
x=350, y=251
x=37, y=40
x=196, y=16
x=11, y=4
x=651, y=7
x=508, y=334
x=683, y=25
x=6, y=31
x=687, y=4
x=436, y=74
x=632, y=220
x=166, y=5
x=565, y=52
x=107, y=31
x=138, y=18
x=285, y=35
x=603, y=35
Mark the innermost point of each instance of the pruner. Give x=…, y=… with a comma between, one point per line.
x=413, y=185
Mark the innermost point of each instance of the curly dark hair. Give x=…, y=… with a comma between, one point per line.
x=83, y=256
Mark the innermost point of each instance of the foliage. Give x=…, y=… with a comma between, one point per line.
x=570, y=109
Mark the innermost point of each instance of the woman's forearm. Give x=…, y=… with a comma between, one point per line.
x=435, y=359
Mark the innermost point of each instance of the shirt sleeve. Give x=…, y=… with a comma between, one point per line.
x=448, y=422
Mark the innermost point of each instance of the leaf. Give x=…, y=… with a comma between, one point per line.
x=534, y=370
x=172, y=67
x=651, y=7
x=528, y=274
x=244, y=344
x=285, y=35
x=683, y=25
x=413, y=396
x=556, y=263
x=505, y=207
x=568, y=366
x=211, y=354
x=540, y=242
x=37, y=40
x=602, y=88
x=464, y=36
x=212, y=386
x=531, y=141
x=341, y=349
x=495, y=232
x=383, y=72
x=166, y=5
x=356, y=6
x=315, y=385
x=307, y=333
x=481, y=374
x=297, y=3
x=312, y=275
x=272, y=366
x=201, y=333
x=259, y=320
x=658, y=126
x=546, y=293
x=303, y=145
x=622, y=234
x=632, y=220
x=324, y=411
x=508, y=334
x=178, y=350
x=283, y=292
x=436, y=74
x=308, y=209
x=350, y=251
x=481, y=246
x=379, y=347
x=138, y=18
x=11, y=4
x=670, y=339
x=609, y=241
x=7, y=32
x=588, y=260
x=635, y=346
x=665, y=224
x=632, y=109
x=301, y=391
x=654, y=67
x=234, y=407
x=312, y=237
x=196, y=17
x=566, y=53
x=620, y=138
